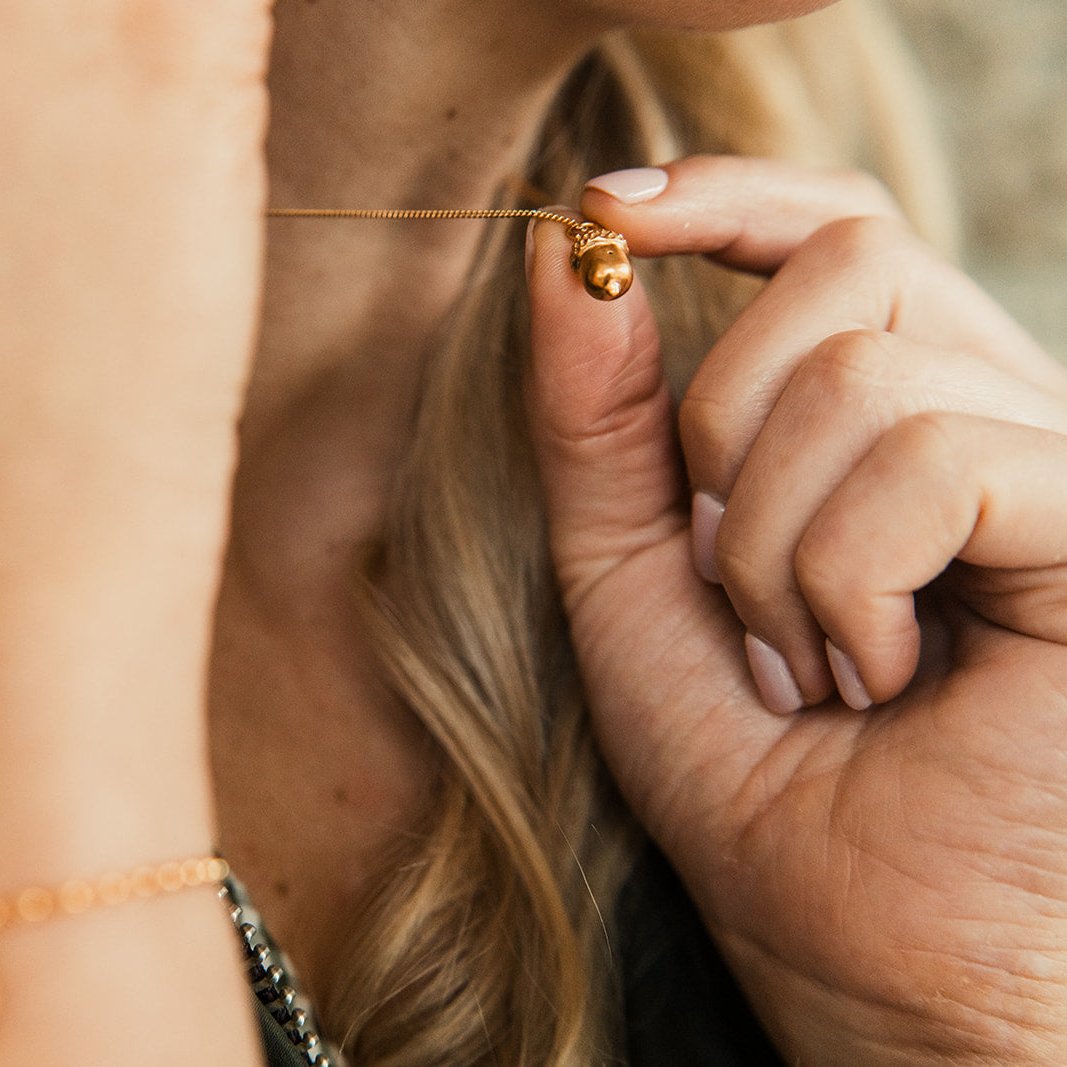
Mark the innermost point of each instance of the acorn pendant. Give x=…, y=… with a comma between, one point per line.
x=601, y=259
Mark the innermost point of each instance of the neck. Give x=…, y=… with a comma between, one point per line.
x=376, y=103
x=380, y=103
x=410, y=103
x=426, y=99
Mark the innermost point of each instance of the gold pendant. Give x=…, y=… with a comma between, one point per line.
x=601, y=258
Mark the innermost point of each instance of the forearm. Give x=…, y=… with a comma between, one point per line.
x=129, y=273
x=131, y=242
x=103, y=768
x=153, y=982
x=102, y=693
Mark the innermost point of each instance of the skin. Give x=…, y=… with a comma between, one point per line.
x=327, y=416
x=889, y=884
x=116, y=450
x=442, y=104
x=921, y=900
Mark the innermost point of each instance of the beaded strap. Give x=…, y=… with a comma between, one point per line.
x=273, y=981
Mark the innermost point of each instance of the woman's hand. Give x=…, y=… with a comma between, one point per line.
x=879, y=461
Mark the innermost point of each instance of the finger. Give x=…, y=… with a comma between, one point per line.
x=748, y=213
x=660, y=652
x=936, y=488
x=859, y=274
x=853, y=389
x=601, y=418
x=756, y=214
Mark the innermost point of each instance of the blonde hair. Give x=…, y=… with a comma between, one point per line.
x=488, y=935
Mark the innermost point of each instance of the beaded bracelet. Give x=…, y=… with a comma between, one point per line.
x=37, y=904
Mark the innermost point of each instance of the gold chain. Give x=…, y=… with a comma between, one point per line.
x=599, y=256
x=423, y=213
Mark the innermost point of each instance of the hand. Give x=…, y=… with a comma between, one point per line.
x=889, y=881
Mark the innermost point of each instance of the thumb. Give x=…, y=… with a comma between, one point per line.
x=659, y=649
x=601, y=419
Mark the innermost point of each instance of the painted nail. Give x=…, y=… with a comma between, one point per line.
x=631, y=186
x=849, y=683
x=772, y=676
x=707, y=514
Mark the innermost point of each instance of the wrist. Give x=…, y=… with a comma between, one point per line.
x=942, y=1012
x=99, y=801
x=950, y=1033
x=103, y=699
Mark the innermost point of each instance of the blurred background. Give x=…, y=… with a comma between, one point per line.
x=998, y=71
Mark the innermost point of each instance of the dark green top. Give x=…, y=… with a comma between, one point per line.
x=280, y=1052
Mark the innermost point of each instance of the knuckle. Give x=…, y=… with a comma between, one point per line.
x=838, y=596
x=855, y=241
x=818, y=565
x=740, y=574
x=872, y=193
x=747, y=575
x=704, y=427
x=928, y=440
x=849, y=361
x=715, y=166
x=844, y=598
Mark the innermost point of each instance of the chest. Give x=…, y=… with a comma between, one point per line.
x=317, y=769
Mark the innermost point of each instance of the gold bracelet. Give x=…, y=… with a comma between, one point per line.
x=37, y=904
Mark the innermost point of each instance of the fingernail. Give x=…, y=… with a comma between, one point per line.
x=707, y=514
x=849, y=683
x=631, y=186
x=772, y=676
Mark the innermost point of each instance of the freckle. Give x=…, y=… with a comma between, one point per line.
x=340, y=794
x=451, y=113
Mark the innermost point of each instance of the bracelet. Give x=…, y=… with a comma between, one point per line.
x=37, y=904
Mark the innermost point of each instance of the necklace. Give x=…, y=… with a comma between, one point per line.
x=272, y=980
x=599, y=256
